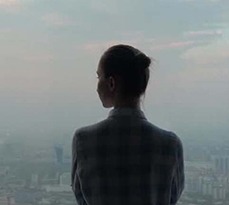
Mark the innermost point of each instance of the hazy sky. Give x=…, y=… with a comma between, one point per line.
x=49, y=50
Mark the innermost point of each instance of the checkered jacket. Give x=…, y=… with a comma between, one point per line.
x=126, y=160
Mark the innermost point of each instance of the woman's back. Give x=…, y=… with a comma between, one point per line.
x=127, y=160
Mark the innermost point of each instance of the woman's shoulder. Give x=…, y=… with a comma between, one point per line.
x=92, y=128
x=160, y=132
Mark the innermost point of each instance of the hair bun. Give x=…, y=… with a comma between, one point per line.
x=142, y=61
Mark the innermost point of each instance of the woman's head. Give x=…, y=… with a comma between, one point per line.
x=123, y=74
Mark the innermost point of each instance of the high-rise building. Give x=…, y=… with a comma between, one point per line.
x=207, y=189
x=65, y=178
x=192, y=183
x=34, y=180
x=219, y=192
x=59, y=153
x=221, y=164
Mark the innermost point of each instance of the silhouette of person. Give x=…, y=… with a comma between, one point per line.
x=125, y=159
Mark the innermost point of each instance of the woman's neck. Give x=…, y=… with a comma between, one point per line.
x=127, y=104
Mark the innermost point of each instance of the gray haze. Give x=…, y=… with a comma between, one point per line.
x=50, y=50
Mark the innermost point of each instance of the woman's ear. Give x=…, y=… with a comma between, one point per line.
x=111, y=83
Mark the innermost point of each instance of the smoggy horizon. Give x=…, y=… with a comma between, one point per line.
x=50, y=50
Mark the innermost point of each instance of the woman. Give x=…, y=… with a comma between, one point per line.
x=125, y=159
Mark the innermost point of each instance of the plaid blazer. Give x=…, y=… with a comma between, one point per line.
x=126, y=160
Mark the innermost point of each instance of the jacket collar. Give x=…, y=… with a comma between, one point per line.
x=126, y=111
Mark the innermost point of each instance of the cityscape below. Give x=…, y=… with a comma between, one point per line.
x=43, y=176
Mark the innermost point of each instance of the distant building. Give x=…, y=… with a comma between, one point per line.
x=65, y=178
x=207, y=188
x=59, y=153
x=219, y=192
x=221, y=164
x=34, y=180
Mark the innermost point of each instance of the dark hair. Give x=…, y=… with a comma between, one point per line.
x=130, y=65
